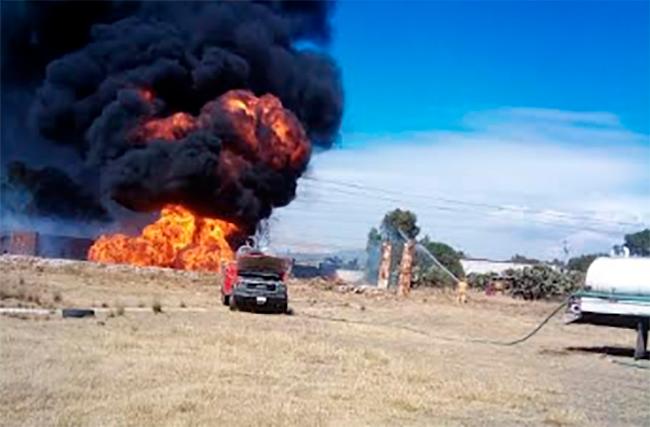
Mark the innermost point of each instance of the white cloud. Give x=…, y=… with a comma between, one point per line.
x=560, y=175
x=594, y=118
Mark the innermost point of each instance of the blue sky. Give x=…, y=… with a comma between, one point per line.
x=542, y=108
x=422, y=64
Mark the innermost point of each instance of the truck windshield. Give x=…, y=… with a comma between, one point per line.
x=260, y=274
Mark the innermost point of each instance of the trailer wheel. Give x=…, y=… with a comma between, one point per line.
x=641, y=350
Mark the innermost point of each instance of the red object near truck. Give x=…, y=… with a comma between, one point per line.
x=229, y=280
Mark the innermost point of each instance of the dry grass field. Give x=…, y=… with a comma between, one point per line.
x=341, y=359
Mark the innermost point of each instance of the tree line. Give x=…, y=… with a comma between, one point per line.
x=541, y=279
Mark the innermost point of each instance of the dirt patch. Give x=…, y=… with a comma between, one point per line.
x=343, y=358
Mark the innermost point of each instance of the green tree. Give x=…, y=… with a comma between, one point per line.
x=373, y=252
x=582, y=262
x=447, y=256
x=523, y=259
x=402, y=220
x=393, y=222
x=638, y=243
x=374, y=238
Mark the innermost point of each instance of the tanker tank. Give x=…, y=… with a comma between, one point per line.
x=629, y=276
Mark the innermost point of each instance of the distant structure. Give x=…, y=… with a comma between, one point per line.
x=484, y=266
x=44, y=245
x=310, y=270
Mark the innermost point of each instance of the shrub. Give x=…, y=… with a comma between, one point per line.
x=532, y=283
x=156, y=307
x=481, y=281
x=432, y=277
x=540, y=282
x=56, y=297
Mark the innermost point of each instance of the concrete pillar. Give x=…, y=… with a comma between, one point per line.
x=406, y=268
x=384, y=265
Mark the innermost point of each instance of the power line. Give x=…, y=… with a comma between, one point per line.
x=353, y=218
x=358, y=192
x=477, y=204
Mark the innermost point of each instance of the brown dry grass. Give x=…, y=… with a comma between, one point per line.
x=342, y=359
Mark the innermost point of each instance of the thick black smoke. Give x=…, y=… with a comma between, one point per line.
x=101, y=55
x=37, y=192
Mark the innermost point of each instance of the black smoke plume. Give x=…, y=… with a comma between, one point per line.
x=84, y=65
x=37, y=193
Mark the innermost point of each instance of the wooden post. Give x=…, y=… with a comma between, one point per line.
x=406, y=268
x=384, y=265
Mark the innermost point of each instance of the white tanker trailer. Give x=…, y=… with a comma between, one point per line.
x=616, y=293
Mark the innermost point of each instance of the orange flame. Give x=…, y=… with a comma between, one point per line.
x=147, y=94
x=178, y=239
x=169, y=128
x=263, y=131
x=269, y=130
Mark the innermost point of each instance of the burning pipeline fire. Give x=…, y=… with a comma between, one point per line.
x=178, y=239
x=260, y=132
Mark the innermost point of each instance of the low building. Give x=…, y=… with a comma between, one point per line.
x=44, y=245
x=484, y=266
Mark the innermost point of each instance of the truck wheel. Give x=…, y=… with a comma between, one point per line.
x=284, y=308
x=233, y=304
x=225, y=299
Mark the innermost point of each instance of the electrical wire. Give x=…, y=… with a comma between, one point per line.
x=357, y=193
x=479, y=204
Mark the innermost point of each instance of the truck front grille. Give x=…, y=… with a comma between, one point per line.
x=267, y=286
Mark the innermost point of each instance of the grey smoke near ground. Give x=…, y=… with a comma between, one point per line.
x=76, y=68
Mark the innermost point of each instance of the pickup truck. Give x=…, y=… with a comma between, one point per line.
x=256, y=282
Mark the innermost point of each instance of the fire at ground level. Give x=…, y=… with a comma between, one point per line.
x=342, y=358
x=33, y=243
x=177, y=239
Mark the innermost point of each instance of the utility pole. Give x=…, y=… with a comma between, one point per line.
x=566, y=250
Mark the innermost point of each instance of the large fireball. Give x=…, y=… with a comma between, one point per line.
x=259, y=142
